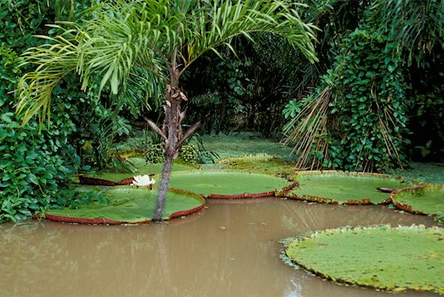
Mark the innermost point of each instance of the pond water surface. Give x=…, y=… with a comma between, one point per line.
x=229, y=249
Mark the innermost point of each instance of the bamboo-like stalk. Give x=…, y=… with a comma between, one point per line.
x=308, y=133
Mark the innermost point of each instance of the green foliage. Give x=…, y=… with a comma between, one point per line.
x=154, y=153
x=37, y=162
x=417, y=27
x=246, y=90
x=20, y=20
x=368, y=88
x=357, y=121
x=409, y=52
x=188, y=153
x=99, y=128
x=34, y=171
x=113, y=46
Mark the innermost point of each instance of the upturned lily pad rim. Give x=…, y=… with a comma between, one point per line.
x=313, y=235
x=409, y=208
x=104, y=221
x=330, y=200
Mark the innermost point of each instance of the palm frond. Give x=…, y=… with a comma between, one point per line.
x=123, y=40
x=54, y=61
x=415, y=25
x=215, y=25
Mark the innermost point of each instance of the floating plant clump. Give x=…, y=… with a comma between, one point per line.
x=383, y=257
x=260, y=163
x=129, y=206
x=345, y=188
x=231, y=184
x=425, y=199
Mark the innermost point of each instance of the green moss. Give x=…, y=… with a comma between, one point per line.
x=381, y=257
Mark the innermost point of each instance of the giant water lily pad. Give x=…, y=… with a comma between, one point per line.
x=381, y=257
x=229, y=184
x=141, y=167
x=342, y=187
x=260, y=163
x=129, y=205
x=426, y=199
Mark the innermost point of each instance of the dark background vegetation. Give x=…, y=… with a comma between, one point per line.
x=366, y=49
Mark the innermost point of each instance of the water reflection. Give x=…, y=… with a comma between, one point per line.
x=232, y=250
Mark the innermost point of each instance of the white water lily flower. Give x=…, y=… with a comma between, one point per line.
x=143, y=180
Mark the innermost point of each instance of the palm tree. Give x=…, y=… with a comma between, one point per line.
x=151, y=43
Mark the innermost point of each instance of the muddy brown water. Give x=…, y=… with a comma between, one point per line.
x=228, y=249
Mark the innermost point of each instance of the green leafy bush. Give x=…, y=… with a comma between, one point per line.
x=37, y=161
x=36, y=168
x=188, y=153
x=356, y=120
x=368, y=91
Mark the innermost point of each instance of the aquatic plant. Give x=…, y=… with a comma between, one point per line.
x=143, y=180
x=424, y=199
x=260, y=163
x=344, y=187
x=231, y=184
x=381, y=257
x=128, y=205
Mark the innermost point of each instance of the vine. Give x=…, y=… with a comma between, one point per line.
x=364, y=126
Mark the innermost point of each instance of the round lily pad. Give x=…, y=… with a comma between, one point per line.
x=343, y=187
x=230, y=184
x=425, y=199
x=140, y=168
x=260, y=163
x=129, y=206
x=382, y=257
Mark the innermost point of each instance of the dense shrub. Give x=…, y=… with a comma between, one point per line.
x=37, y=162
x=369, y=101
x=188, y=153
x=357, y=118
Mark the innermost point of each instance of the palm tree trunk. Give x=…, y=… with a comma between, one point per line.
x=172, y=119
x=163, y=189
